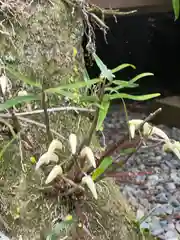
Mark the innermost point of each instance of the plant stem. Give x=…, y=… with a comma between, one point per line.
x=46, y=117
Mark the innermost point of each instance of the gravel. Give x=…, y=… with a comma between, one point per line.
x=157, y=194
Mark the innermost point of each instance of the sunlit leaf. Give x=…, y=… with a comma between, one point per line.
x=122, y=66
x=102, y=113
x=76, y=85
x=20, y=99
x=105, y=72
x=86, y=76
x=106, y=162
x=176, y=8
x=22, y=77
x=133, y=97
x=124, y=83
x=139, y=76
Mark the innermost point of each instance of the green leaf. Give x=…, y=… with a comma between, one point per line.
x=76, y=85
x=86, y=76
x=20, y=99
x=176, y=8
x=133, y=97
x=89, y=99
x=102, y=113
x=106, y=162
x=127, y=151
x=105, y=72
x=142, y=75
x=122, y=66
x=21, y=77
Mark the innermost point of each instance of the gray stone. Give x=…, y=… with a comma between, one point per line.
x=162, y=198
x=170, y=186
x=158, y=158
x=144, y=225
x=157, y=231
x=3, y=237
x=171, y=234
x=153, y=179
x=139, y=214
x=178, y=226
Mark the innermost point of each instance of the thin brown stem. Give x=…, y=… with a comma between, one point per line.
x=46, y=117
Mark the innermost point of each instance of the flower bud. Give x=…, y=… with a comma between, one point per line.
x=73, y=142
x=56, y=171
x=87, y=153
x=90, y=184
x=55, y=144
x=46, y=158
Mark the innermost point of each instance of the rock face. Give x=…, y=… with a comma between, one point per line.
x=38, y=41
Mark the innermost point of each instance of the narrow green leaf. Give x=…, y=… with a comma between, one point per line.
x=106, y=162
x=142, y=75
x=89, y=99
x=127, y=151
x=20, y=99
x=102, y=113
x=76, y=85
x=176, y=8
x=122, y=66
x=21, y=77
x=105, y=72
x=67, y=94
x=86, y=76
x=133, y=97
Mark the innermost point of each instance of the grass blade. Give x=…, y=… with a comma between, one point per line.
x=133, y=97
x=21, y=77
x=122, y=66
x=20, y=99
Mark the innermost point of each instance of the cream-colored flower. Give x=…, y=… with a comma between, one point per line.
x=133, y=125
x=90, y=184
x=55, y=144
x=3, y=83
x=149, y=130
x=22, y=93
x=46, y=158
x=87, y=153
x=172, y=147
x=56, y=171
x=73, y=142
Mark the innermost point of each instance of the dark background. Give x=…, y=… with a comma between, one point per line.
x=149, y=41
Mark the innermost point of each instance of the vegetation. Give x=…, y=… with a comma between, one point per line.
x=55, y=177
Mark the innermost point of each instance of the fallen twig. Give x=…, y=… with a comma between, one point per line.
x=49, y=110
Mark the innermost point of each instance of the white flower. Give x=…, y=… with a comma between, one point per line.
x=133, y=125
x=150, y=130
x=73, y=142
x=87, y=153
x=46, y=158
x=22, y=93
x=55, y=144
x=173, y=147
x=56, y=171
x=90, y=184
x=3, y=83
